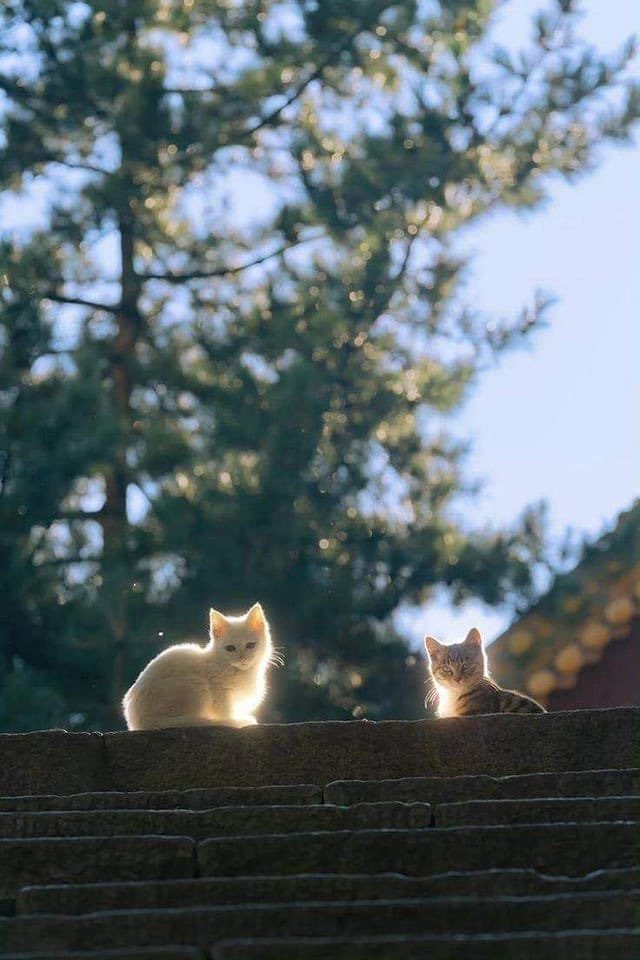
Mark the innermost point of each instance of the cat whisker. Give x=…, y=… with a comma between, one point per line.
x=431, y=697
x=277, y=657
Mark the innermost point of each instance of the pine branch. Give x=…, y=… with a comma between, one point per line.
x=56, y=352
x=192, y=91
x=379, y=304
x=516, y=101
x=65, y=561
x=299, y=90
x=81, y=302
x=171, y=277
x=81, y=514
x=71, y=165
x=295, y=95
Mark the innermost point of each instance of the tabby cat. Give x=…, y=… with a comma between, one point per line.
x=462, y=683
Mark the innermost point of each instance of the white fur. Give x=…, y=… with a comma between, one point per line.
x=188, y=685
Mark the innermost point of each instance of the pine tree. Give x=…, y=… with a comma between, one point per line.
x=230, y=344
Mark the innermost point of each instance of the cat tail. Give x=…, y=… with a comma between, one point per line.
x=513, y=701
x=519, y=703
x=164, y=723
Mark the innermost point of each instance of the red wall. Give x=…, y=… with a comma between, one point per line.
x=613, y=682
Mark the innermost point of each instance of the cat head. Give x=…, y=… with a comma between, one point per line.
x=457, y=666
x=245, y=641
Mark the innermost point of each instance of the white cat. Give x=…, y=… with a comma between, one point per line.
x=222, y=683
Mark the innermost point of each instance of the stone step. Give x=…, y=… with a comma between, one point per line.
x=321, y=752
x=566, y=945
x=77, y=860
x=91, y=898
x=556, y=810
x=568, y=849
x=203, y=926
x=587, y=783
x=153, y=953
x=219, y=822
x=63, y=763
x=204, y=799
x=582, y=783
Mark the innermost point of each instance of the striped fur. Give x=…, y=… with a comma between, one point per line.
x=488, y=697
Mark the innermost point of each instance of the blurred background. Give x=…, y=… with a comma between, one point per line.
x=328, y=305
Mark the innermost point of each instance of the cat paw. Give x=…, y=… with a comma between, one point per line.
x=247, y=722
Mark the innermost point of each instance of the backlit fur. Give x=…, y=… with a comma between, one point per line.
x=222, y=683
x=460, y=675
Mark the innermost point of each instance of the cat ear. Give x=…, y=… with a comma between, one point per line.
x=256, y=619
x=218, y=623
x=474, y=637
x=433, y=646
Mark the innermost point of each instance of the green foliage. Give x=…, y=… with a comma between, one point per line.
x=228, y=355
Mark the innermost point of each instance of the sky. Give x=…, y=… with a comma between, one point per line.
x=558, y=421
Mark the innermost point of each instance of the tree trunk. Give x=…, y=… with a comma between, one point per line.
x=115, y=524
x=117, y=562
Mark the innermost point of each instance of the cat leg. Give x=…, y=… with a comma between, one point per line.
x=171, y=703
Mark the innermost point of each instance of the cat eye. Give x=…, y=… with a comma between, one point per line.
x=446, y=671
x=250, y=645
x=230, y=647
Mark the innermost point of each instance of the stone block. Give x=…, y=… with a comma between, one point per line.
x=79, y=860
x=154, y=953
x=567, y=849
x=322, y=752
x=218, y=822
x=583, y=783
x=50, y=762
x=168, y=799
x=567, y=945
x=556, y=810
x=204, y=926
x=72, y=899
x=7, y=906
x=56, y=762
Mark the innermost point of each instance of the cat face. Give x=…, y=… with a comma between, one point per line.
x=459, y=665
x=243, y=642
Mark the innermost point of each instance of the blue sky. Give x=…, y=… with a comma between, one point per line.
x=559, y=421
